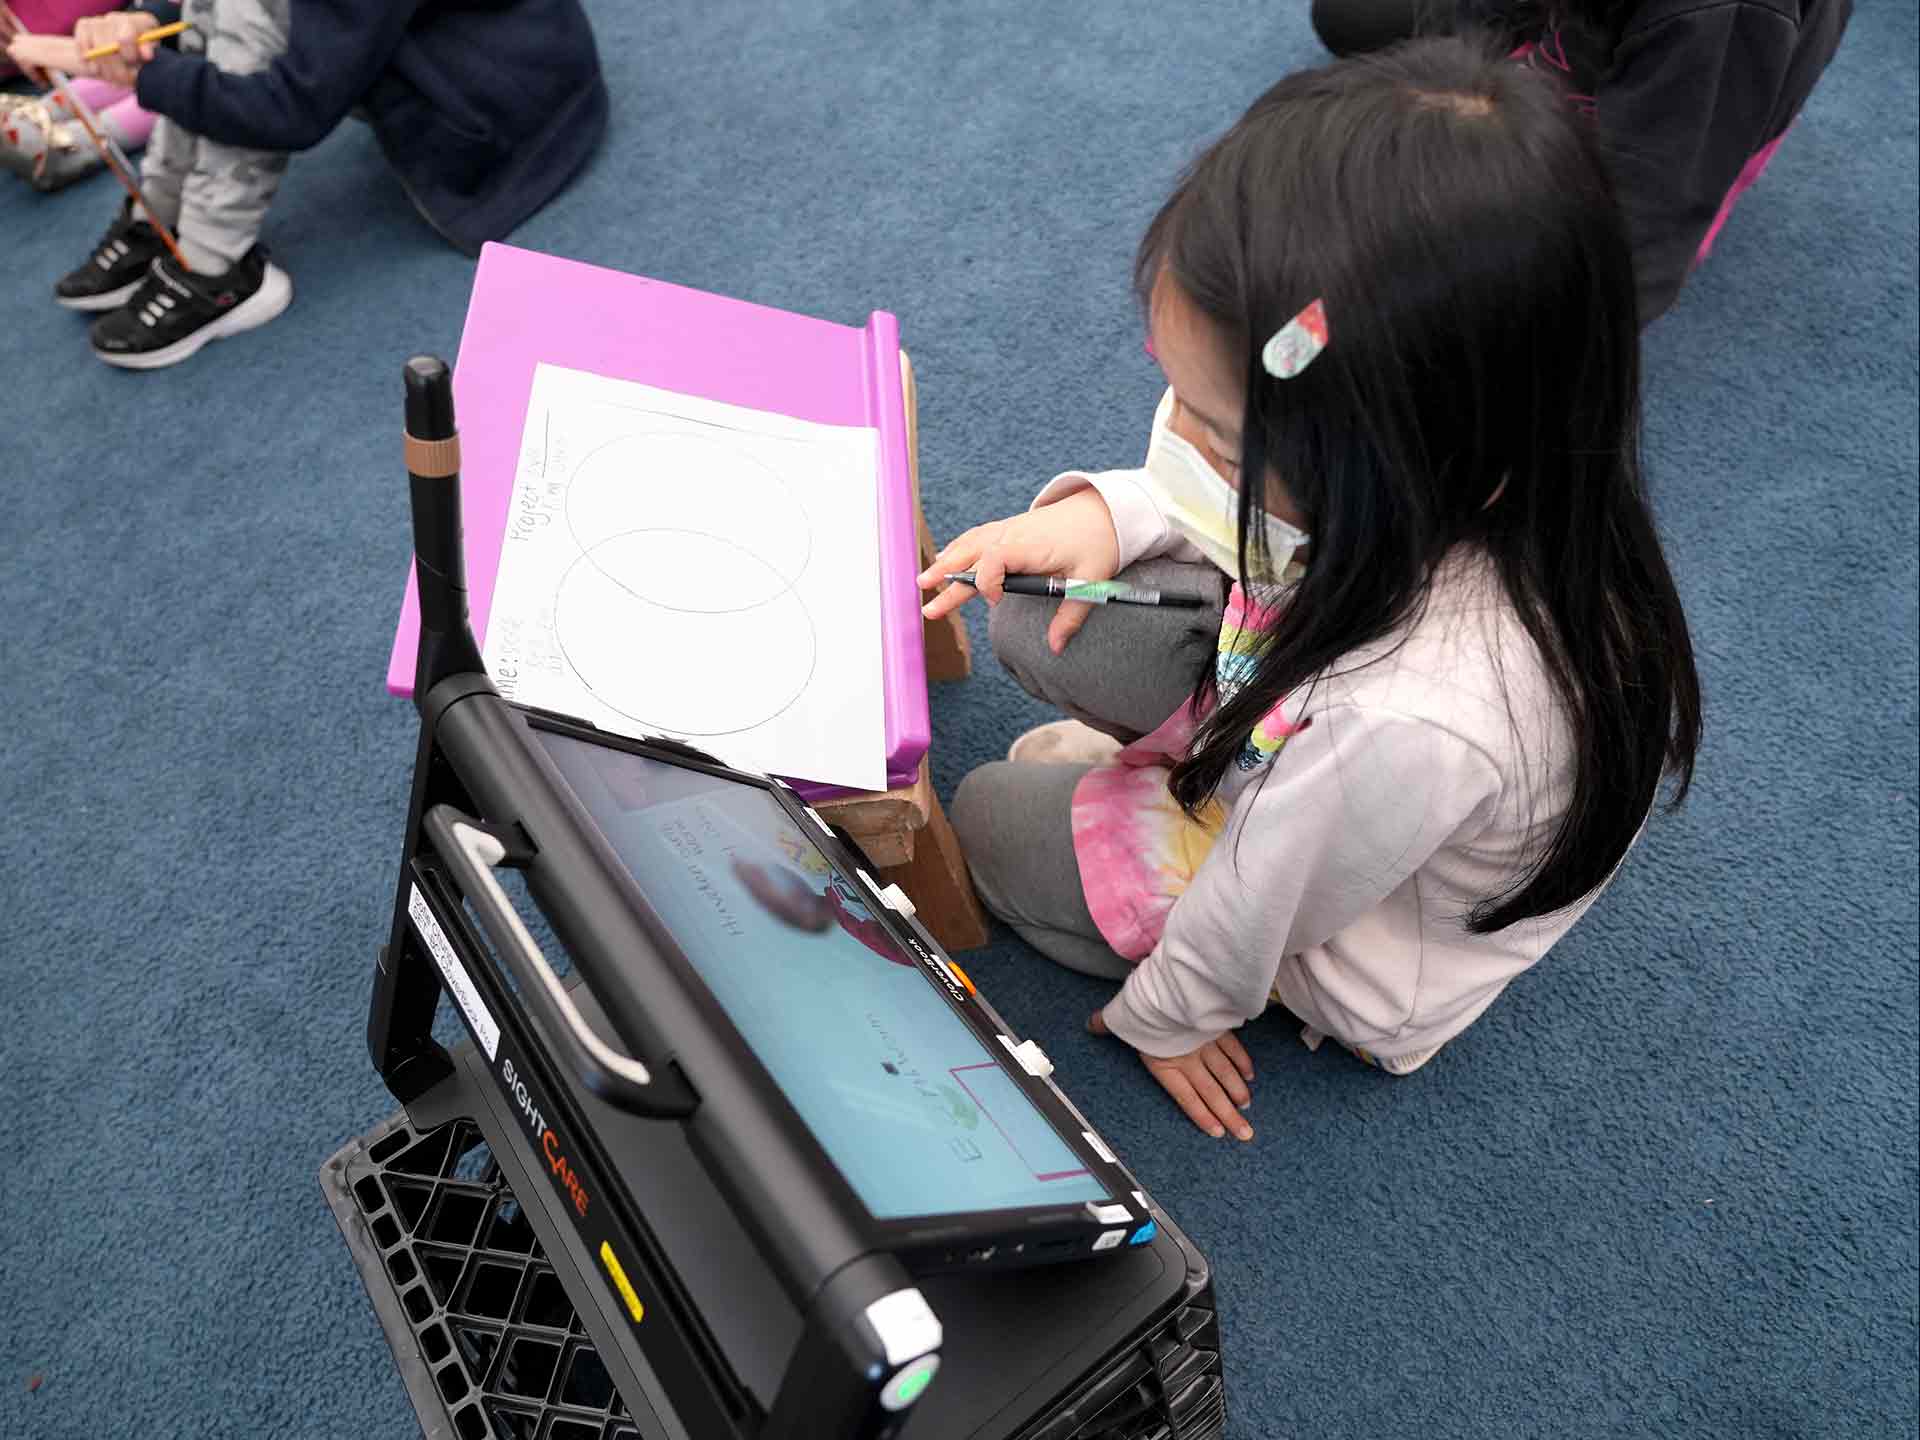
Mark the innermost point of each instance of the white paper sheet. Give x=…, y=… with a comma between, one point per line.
x=674, y=566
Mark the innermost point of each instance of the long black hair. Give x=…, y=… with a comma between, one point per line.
x=1454, y=217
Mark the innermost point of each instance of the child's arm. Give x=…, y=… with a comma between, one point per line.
x=335, y=52
x=1083, y=525
x=1354, y=804
x=1133, y=499
x=1141, y=530
x=122, y=28
x=44, y=52
x=1074, y=538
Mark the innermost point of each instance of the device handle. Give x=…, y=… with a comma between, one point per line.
x=472, y=852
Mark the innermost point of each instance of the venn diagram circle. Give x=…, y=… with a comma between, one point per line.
x=681, y=612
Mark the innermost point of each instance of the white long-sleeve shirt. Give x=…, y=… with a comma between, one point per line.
x=1431, y=772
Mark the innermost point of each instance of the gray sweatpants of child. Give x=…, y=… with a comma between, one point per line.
x=1125, y=673
x=215, y=197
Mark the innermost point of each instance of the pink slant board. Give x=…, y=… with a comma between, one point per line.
x=529, y=308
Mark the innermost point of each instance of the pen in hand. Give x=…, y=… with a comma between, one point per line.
x=1093, y=592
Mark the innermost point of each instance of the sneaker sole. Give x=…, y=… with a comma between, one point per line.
x=1063, y=742
x=266, y=303
x=105, y=300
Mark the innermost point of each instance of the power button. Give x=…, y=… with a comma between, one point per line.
x=908, y=1382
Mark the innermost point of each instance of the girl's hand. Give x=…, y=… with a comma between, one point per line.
x=36, y=54
x=122, y=28
x=11, y=34
x=1073, y=538
x=1210, y=1083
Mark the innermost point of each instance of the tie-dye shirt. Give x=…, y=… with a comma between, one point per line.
x=1137, y=849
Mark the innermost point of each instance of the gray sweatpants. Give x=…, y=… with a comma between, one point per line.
x=214, y=197
x=1125, y=673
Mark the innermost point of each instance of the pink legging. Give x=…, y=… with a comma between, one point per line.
x=118, y=110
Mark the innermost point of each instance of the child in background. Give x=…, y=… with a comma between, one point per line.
x=1452, y=669
x=1691, y=99
x=40, y=140
x=484, y=108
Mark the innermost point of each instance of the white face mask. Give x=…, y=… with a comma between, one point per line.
x=1205, y=509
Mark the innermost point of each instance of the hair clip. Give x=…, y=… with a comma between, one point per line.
x=1296, y=344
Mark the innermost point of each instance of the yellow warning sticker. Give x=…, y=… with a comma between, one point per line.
x=621, y=1283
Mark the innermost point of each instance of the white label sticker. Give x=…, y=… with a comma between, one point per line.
x=459, y=983
x=1109, y=1238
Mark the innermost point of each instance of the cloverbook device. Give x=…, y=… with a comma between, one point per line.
x=769, y=1114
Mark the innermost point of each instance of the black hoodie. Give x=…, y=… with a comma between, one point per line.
x=1684, y=92
x=485, y=108
x=1684, y=97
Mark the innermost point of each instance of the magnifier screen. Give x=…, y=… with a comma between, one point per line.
x=904, y=1098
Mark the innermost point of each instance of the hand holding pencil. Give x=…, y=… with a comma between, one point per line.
x=142, y=39
x=1092, y=592
x=114, y=47
x=58, y=55
x=1073, y=537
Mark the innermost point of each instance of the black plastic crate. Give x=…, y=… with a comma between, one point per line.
x=491, y=1347
x=1169, y=1388
x=480, y=1323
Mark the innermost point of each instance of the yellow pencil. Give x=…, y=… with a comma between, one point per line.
x=145, y=37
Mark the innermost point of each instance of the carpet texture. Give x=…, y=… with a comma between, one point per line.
x=1666, y=1187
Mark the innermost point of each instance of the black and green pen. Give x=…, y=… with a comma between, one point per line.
x=1094, y=592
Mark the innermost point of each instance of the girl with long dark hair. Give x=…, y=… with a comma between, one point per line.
x=1415, y=737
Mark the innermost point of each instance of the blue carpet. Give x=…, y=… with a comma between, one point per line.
x=1668, y=1185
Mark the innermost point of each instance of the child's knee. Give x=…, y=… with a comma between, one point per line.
x=970, y=813
x=988, y=819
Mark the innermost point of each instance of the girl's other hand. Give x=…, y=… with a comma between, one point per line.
x=35, y=54
x=122, y=28
x=1072, y=538
x=1209, y=1084
x=11, y=34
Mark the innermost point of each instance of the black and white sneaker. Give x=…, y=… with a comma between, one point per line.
x=173, y=313
x=115, y=269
